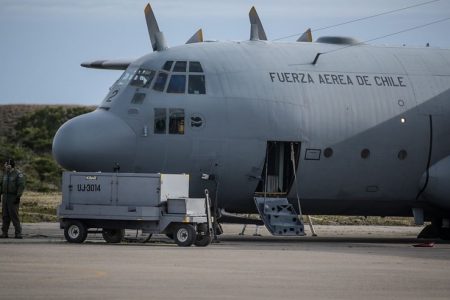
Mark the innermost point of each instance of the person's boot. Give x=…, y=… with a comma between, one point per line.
x=18, y=236
x=4, y=235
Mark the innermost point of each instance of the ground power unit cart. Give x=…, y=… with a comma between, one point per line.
x=113, y=202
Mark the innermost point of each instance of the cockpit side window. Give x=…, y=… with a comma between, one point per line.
x=160, y=120
x=176, y=121
x=196, y=84
x=160, y=81
x=142, y=78
x=177, y=84
x=138, y=98
x=168, y=65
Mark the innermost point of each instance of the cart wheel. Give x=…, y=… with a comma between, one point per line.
x=203, y=240
x=113, y=236
x=75, y=232
x=184, y=235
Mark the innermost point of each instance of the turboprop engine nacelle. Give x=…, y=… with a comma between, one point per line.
x=438, y=188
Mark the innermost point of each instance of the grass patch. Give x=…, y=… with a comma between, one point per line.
x=359, y=220
x=41, y=207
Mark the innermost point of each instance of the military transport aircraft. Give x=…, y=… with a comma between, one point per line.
x=333, y=127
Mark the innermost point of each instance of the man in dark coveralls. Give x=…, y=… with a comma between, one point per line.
x=11, y=189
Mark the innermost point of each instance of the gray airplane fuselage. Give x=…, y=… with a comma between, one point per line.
x=367, y=123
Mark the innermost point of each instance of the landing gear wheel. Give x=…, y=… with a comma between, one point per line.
x=184, y=235
x=113, y=236
x=203, y=240
x=203, y=236
x=75, y=232
x=442, y=232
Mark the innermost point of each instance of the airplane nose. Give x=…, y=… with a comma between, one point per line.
x=95, y=142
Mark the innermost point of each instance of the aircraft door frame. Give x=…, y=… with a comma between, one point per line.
x=279, y=171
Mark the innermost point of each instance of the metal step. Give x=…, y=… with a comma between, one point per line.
x=279, y=216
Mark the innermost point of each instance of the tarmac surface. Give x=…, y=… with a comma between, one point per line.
x=343, y=262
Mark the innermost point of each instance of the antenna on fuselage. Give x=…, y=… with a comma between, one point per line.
x=156, y=36
x=256, y=29
x=316, y=58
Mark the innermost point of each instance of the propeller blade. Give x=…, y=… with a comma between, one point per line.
x=196, y=38
x=113, y=64
x=306, y=36
x=257, y=30
x=156, y=37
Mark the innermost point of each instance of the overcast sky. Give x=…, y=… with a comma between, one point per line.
x=42, y=43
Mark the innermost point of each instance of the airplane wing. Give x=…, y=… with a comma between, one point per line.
x=116, y=64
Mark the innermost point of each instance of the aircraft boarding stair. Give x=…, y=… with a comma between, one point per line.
x=279, y=216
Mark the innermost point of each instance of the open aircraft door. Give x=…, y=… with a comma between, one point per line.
x=279, y=174
x=280, y=168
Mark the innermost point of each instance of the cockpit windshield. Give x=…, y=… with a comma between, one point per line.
x=183, y=76
x=126, y=76
x=180, y=78
x=142, y=78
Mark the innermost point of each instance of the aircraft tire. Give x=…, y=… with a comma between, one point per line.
x=444, y=233
x=75, y=232
x=203, y=240
x=113, y=236
x=184, y=235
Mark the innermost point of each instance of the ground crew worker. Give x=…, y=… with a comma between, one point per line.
x=11, y=187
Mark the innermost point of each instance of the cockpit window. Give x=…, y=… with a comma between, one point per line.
x=168, y=65
x=196, y=84
x=143, y=78
x=138, y=98
x=160, y=82
x=177, y=84
x=126, y=76
x=195, y=67
x=179, y=74
x=180, y=66
x=176, y=121
x=160, y=120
